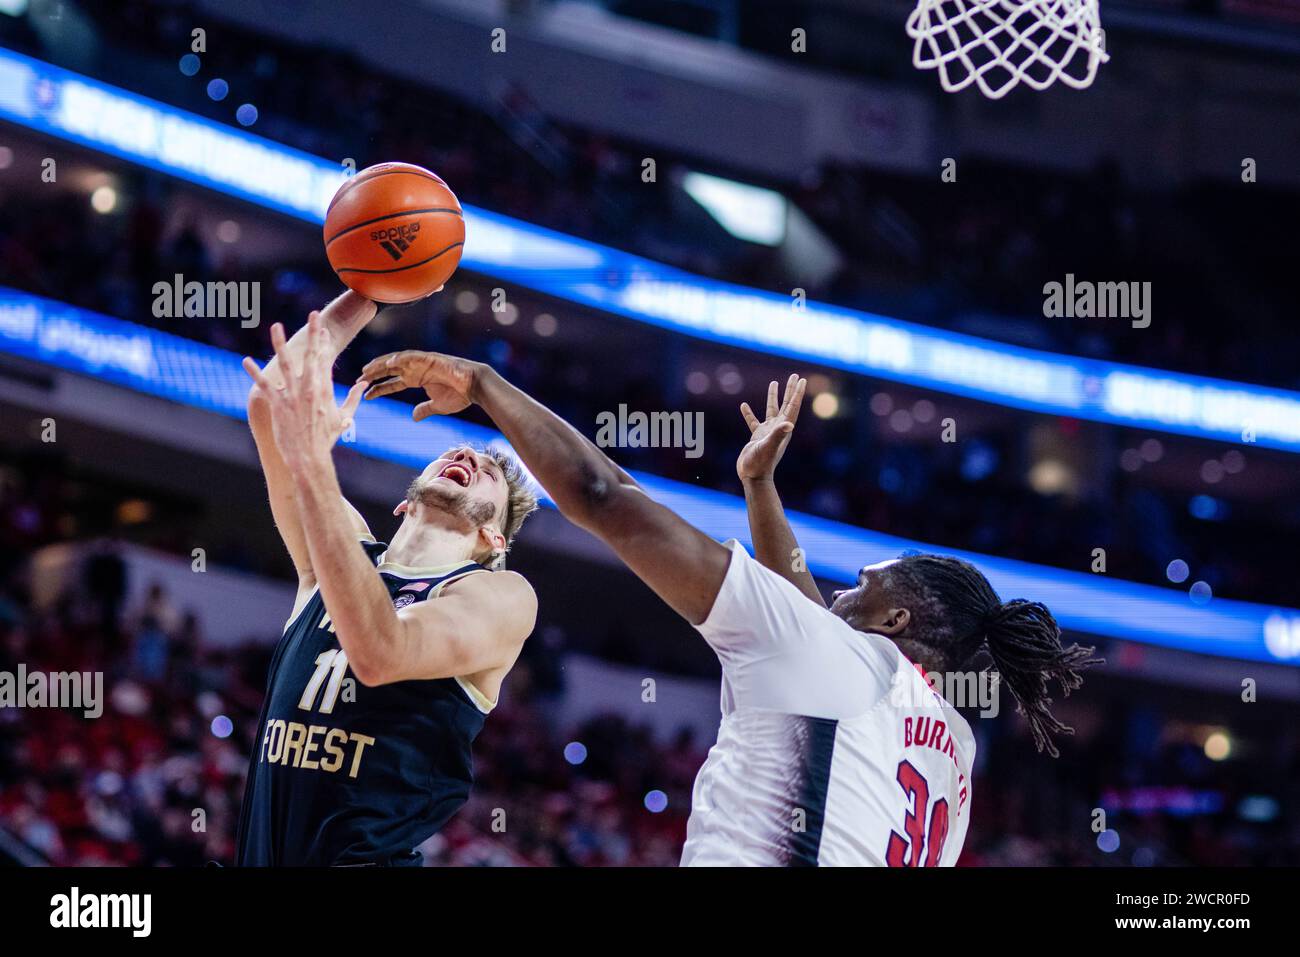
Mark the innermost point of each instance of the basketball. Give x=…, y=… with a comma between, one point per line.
x=394, y=233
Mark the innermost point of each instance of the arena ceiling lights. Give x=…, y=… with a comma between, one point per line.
x=63, y=104
x=751, y=213
x=205, y=377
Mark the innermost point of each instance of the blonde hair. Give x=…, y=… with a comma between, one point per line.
x=521, y=499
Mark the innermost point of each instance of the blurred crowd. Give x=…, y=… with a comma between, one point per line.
x=157, y=779
x=941, y=253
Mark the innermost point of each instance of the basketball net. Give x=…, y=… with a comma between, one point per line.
x=999, y=43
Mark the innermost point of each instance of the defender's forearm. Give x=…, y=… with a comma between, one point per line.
x=358, y=604
x=775, y=546
x=575, y=474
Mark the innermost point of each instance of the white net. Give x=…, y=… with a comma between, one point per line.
x=1000, y=43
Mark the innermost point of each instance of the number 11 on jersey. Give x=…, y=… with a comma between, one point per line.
x=333, y=663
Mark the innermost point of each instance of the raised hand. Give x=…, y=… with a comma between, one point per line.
x=304, y=419
x=768, y=439
x=446, y=380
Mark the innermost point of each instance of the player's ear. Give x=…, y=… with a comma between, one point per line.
x=491, y=537
x=895, y=622
x=401, y=507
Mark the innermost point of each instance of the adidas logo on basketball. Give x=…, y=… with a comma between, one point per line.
x=396, y=240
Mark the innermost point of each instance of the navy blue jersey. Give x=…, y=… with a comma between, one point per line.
x=345, y=774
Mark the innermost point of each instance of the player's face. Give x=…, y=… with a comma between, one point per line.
x=464, y=482
x=867, y=603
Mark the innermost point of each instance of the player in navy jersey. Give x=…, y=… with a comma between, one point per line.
x=394, y=652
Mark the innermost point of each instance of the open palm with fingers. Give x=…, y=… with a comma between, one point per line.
x=446, y=380
x=305, y=420
x=768, y=439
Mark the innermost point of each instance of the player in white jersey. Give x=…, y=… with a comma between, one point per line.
x=832, y=748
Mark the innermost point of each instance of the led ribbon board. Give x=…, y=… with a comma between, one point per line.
x=205, y=377
x=67, y=105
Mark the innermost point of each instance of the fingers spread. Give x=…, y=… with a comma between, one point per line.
x=751, y=420
x=772, y=405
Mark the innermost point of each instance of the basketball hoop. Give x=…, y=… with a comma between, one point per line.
x=998, y=43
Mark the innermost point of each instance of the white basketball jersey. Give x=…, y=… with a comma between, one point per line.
x=833, y=749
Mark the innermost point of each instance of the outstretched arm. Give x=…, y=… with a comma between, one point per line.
x=774, y=542
x=382, y=645
x=681, y=564
x=341, y=320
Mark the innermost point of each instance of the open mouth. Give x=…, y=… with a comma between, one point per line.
x=457, y=473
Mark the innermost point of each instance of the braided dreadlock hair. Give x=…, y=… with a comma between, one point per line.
x=957, y=616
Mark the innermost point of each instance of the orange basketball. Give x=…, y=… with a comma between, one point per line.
x=394, y=232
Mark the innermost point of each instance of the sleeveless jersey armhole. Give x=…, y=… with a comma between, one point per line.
x=475, y=695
